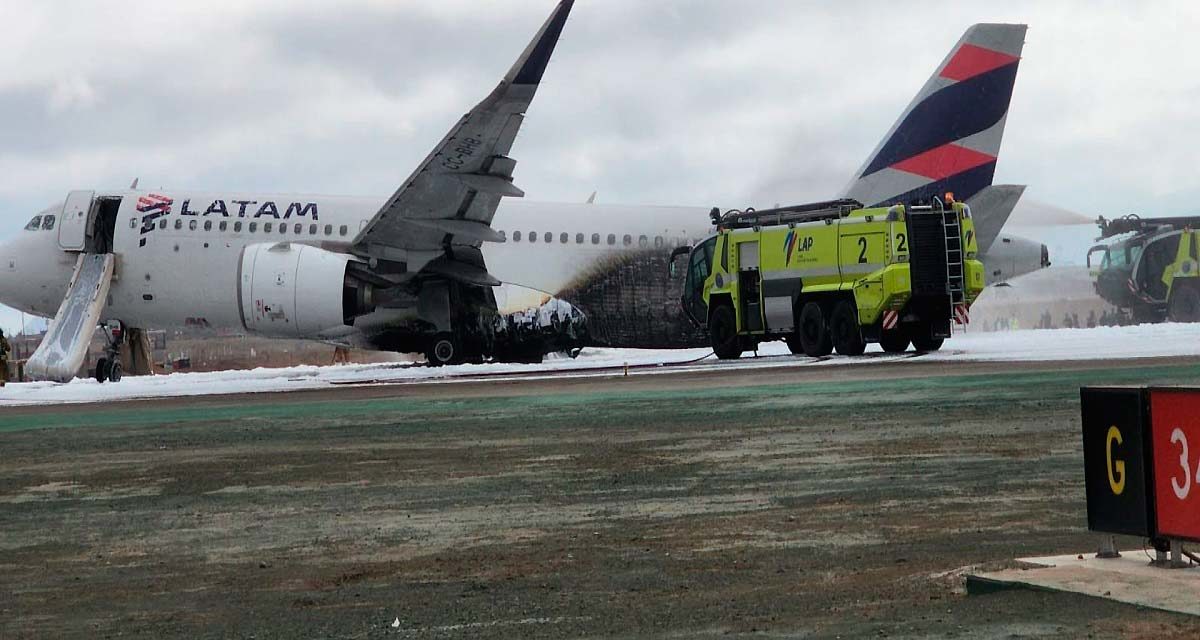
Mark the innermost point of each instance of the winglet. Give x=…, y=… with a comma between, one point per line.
x=532, y=63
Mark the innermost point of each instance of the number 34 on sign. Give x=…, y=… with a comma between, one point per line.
x=1176, y=445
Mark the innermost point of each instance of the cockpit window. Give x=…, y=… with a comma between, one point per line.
x=34, y=224
x=48, y=222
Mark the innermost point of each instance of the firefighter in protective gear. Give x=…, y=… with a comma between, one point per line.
x=5, y=348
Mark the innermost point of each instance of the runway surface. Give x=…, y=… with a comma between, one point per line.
x=780, y=501
x=1088, y=345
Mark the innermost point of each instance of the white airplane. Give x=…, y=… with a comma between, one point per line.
x=440, y=266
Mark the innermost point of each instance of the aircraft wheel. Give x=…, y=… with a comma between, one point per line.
x=114, y=371
x=847, y=336
x=722, y=330
x=1185, y=303
x=894, y=341
x=102, y=370
x=443, y=351
x=812, y=333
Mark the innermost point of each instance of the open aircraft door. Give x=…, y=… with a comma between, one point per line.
x=73, y=223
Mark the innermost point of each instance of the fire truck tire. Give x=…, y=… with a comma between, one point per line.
x=895, y=341
x=1185, y=303
x=924, y=342
x=843, y=324
x=722, y=330
x=812, y=333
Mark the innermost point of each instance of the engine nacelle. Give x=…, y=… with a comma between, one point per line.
x=1011, y=256
x=296, y=291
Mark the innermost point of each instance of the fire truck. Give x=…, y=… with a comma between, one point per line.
x=1148, y=267
x=834, y=276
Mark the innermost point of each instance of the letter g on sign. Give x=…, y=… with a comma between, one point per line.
x=1116, y=468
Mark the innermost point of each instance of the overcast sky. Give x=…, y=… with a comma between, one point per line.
x=695, y=102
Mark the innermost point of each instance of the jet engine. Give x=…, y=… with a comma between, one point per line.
x=1011, y=256
x=296, y=291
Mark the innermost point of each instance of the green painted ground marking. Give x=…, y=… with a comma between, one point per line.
x=701, y=400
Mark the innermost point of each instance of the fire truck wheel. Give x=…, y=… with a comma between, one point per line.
x=895, y=341
x=812, y=334
x=722, y=329
x=843, y=324
x=1185, y=303
x=922, y=341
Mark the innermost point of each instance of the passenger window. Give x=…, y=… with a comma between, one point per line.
x=253, y=227
x=343, y=230
x=516, y=236
x=328, y=229
x=628, y=240
x=48, y=223
x=162, y=224
x=549, y=237
x=267, y=226
x=224, y=226
x=612, y=238
x=579, y=238
x=299, y=229
x=132, y=224
x=36, y=224
x=595, y=238
x=178, y=224
x=503, y=237
x=643, y=241
x=237, y=227
x=208, y=225
x=533, y=236
x=282, y=228
x=192, y=225
x=312, y=229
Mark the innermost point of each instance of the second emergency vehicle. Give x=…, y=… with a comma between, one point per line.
x=834, y=275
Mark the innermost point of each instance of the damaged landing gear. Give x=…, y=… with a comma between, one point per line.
x=444, y=350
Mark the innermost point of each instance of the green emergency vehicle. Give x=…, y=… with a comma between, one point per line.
x=1149, y=267
x=834, y=275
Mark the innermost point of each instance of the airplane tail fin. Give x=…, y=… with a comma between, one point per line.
x=948, y=138
x=990, y=209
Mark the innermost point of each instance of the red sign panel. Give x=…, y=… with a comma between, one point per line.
x=1175, y=437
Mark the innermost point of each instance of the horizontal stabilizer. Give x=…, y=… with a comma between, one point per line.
x=990, y=208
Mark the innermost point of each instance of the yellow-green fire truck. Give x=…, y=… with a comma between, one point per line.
x=834, y=275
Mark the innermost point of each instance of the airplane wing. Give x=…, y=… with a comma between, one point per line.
x=439, y=216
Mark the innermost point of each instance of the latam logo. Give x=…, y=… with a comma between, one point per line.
x=155, y=206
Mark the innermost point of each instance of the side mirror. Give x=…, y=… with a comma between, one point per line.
x=679, y=251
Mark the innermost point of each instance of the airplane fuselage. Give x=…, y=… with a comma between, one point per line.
x=179, y=253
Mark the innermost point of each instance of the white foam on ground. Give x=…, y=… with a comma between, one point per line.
x=1145, y=341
